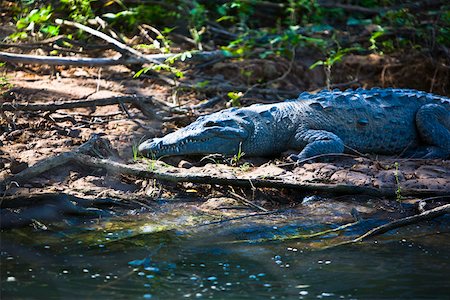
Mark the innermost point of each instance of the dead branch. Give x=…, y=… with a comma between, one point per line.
x=52, y=162
x=120, y=47
x=427, y=215
x=55, y=41
x=161, y=172
x=143, y=103
x=62, y=61
x=413, y=6
x=129, y=55
x=247, y=202
x=104, y=61
x=170, y=175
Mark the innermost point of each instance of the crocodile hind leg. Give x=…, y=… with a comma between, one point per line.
x=433, y=125
x=316, y=142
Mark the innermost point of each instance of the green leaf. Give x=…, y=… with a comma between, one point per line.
x=317, y=63
x=51, y=30
x=202, y=84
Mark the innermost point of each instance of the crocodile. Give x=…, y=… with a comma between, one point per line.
x=381, y=121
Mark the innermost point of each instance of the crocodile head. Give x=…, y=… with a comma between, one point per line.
x=222, y=132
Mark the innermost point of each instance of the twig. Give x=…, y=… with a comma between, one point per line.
x=282, y=77
x=338, y=85
x=132, y=118
x=250, y=203
x=413, y=6
x=209, y=103
x=296, y=163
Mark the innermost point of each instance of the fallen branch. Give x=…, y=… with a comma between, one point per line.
x=63, y=61
x=207, y=104
x=129, y=55
x=247, y=202
x=140, y=102
x=120, y=47
x=52, y=162
x=425, y=216
x=171, y=174
x=55, y=41
x=103, y=61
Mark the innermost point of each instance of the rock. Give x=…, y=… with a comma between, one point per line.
x=217, y=203
x=184, y=164
x=352, y=177
x=74, y=133
x=388, y=179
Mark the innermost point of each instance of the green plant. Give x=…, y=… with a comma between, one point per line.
x=236, y=11
x=180, y=56
x=245, y=167
x=234, y=98
x=333, y=58
x=202, y=84
x=136, y=155
x=167, y=66
x=163, y=43
x=238, y=156
x=373, y=39
x=178, y=73
x=151, y=164
x=197, y=17
x=398, y=192
x=4, y=82
x=79, y=10
x=304, y=11
x=36, y=22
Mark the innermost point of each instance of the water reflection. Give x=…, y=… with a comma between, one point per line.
x=215, y=262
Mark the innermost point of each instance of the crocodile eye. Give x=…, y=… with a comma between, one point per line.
x=210, y=124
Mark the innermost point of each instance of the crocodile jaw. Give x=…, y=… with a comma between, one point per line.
x=185, y=141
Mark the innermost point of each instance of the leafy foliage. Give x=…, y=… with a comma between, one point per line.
x=251, y=28
x=34, y=22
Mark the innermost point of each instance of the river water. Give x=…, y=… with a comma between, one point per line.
x=104, y=259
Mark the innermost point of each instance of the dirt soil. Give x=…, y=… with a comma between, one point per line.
x=28, y=137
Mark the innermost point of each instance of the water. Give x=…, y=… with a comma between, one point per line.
x=113, y=260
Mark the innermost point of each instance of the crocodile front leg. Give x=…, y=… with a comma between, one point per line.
x=315, y=142
x=433, y=125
